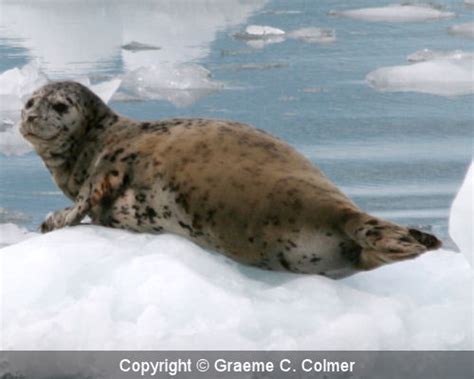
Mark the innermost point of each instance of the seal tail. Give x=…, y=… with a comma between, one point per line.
x=383, y=242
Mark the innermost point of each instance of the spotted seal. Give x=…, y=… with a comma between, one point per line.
x=227, y=186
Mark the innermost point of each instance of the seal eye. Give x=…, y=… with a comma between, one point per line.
x=29, y=103
x=60, y=107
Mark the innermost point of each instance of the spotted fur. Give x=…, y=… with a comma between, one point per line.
x=226, y=186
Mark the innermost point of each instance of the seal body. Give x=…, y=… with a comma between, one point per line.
x=225, y=185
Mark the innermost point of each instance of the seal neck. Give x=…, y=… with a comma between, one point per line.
x=78, y=151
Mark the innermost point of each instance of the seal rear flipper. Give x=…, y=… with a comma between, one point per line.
x=383, y=242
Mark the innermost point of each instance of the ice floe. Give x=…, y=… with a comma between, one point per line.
x=427, y=54
x=145, y=292
x=461, y=221
x=11, y=141
x=18, y=83
x=253, y=66
x=258, y=36
x=137, y=46
x=396, y=13
x=448, y=75
x=464, y=30
x=314, y=35
x=260, y=32
x=181, y=85
x=9, y=216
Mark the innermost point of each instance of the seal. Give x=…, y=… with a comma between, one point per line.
x=226, y=186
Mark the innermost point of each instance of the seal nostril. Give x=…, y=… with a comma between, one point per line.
x=31, y=118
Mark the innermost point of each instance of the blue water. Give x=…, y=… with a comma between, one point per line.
x=398, y=155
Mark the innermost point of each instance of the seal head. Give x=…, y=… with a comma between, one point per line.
x=57, y=116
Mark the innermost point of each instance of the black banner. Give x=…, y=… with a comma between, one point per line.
x=235, y=364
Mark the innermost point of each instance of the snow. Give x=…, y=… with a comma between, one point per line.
x=451, y=75
x=464, y=30
x=461, y=222
x=396, y=13
x=181, y=84
x=149, y=292
x=143, y=291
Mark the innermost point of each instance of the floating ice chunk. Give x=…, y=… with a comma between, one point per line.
x=181, y=85
x=464, y=30
x=9, y=216
x=258, y=31
x=11, y=141
x=254, y=66
x=449, y=76
x=105, y=90
x=10, y=103
x=21, y=82
x=11, y=234
x=282, y=12
x=258, y=36
x=18, y=83
x=427, y=54
x=461, y=219
x=396, y=13
x=137, y=46
x=314, y=35
x=261, y=43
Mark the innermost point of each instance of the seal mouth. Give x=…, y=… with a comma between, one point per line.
x=32, y=136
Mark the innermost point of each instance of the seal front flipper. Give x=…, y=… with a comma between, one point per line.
x=93, y=193
x=59, y=219
x=383, y=242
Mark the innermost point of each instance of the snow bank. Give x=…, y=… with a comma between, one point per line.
x=181, y=84
x=464, y=30
x=396, y=13
x=446, y=76
x=461, y=221
x=16, y=85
